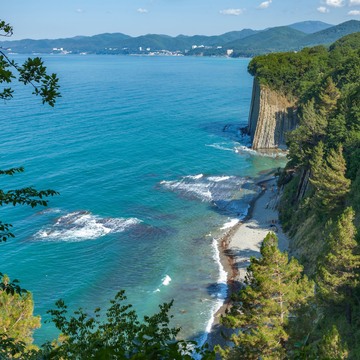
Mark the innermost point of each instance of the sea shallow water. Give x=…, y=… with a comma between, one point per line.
x=148, y=171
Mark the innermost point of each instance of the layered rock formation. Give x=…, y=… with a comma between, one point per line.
x=271, y=116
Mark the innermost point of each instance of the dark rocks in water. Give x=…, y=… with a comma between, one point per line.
x=143, y=211
x=237, y=129
x=150, y=232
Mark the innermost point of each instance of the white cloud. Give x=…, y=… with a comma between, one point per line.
x=80, y=10
x=354, y=3
x=142, y=10
x=335, y=3
x=323, y=9
x=354, y=12
x=264, y=5
x=232, y=11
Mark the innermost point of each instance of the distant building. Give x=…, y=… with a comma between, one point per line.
x=147, y=49
x=219, y=47
x=201, y=46
x=194, y=47
x=140, y=48
x=229, y=52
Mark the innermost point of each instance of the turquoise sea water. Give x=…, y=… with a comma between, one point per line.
x=147, y=178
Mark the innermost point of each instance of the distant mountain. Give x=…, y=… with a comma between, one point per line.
x=262, y=42
x=244, y=43
x=119, y=43
x=274, y=38
x=76, y=44
x=309, y=27
x=328, y=36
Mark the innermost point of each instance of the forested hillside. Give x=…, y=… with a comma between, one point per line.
x=320, y=206
x=244, y=43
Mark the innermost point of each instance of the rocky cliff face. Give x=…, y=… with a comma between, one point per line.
x=271, y=116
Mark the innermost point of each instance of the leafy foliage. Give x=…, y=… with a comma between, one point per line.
x=16, y=314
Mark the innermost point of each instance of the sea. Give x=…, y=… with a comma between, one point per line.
x=148, y=158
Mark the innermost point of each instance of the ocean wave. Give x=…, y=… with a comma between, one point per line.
x=219, y=147
x=195, y=177
x=266, y=153
x=166, y=280
x=221, y=292
x=230, y=224
x=218, y=190
x=83, y=225
x=218, y=178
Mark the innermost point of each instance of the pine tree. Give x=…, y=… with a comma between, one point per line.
x=274, y=288
x=16, y=315
x=328, y=97
x=329, y=179
x=311, y=131
x=331, y=346
x=336, y=276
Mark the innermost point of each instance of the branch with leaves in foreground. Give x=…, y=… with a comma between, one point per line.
x=32, y=72
x=120, y=335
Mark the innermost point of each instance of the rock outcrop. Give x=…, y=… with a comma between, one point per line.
x=271, y=116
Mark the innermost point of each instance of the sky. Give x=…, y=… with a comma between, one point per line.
x=52, y=19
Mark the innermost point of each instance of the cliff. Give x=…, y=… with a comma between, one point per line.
x=271, y=116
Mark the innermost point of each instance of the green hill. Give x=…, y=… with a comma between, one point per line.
x=352, y=40
x=245, y=43
x=121, y=43
x=309, y=27
x=272, y=40
x=328, y=36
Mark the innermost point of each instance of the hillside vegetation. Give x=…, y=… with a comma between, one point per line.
x=324, y=164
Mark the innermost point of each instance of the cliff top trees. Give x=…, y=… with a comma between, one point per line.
x=328, y=177
x=337, y=275
x=261, y=310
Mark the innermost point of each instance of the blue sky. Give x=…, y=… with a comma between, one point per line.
x=39, y=19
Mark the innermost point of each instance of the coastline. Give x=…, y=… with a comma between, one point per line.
x=237, y=246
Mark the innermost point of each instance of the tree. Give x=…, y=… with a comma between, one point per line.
x=336, y=273
x=274, y=289
x=311, y=131
x=329, y=96
x=329, y=179
x=16, y=315
x=332, y=347
x=120, y=335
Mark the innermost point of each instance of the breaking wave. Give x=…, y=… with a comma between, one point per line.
x=83, y=225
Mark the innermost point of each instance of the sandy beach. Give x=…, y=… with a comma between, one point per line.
x=242, y=242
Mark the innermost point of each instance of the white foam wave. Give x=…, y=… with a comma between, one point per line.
x=200, y=190
x=219, y=178
x=218, y=146
x=230, y=224
x=219, y=298
x=270, y=154
x=166, y=280
x=195, y=177
x=80, y=226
